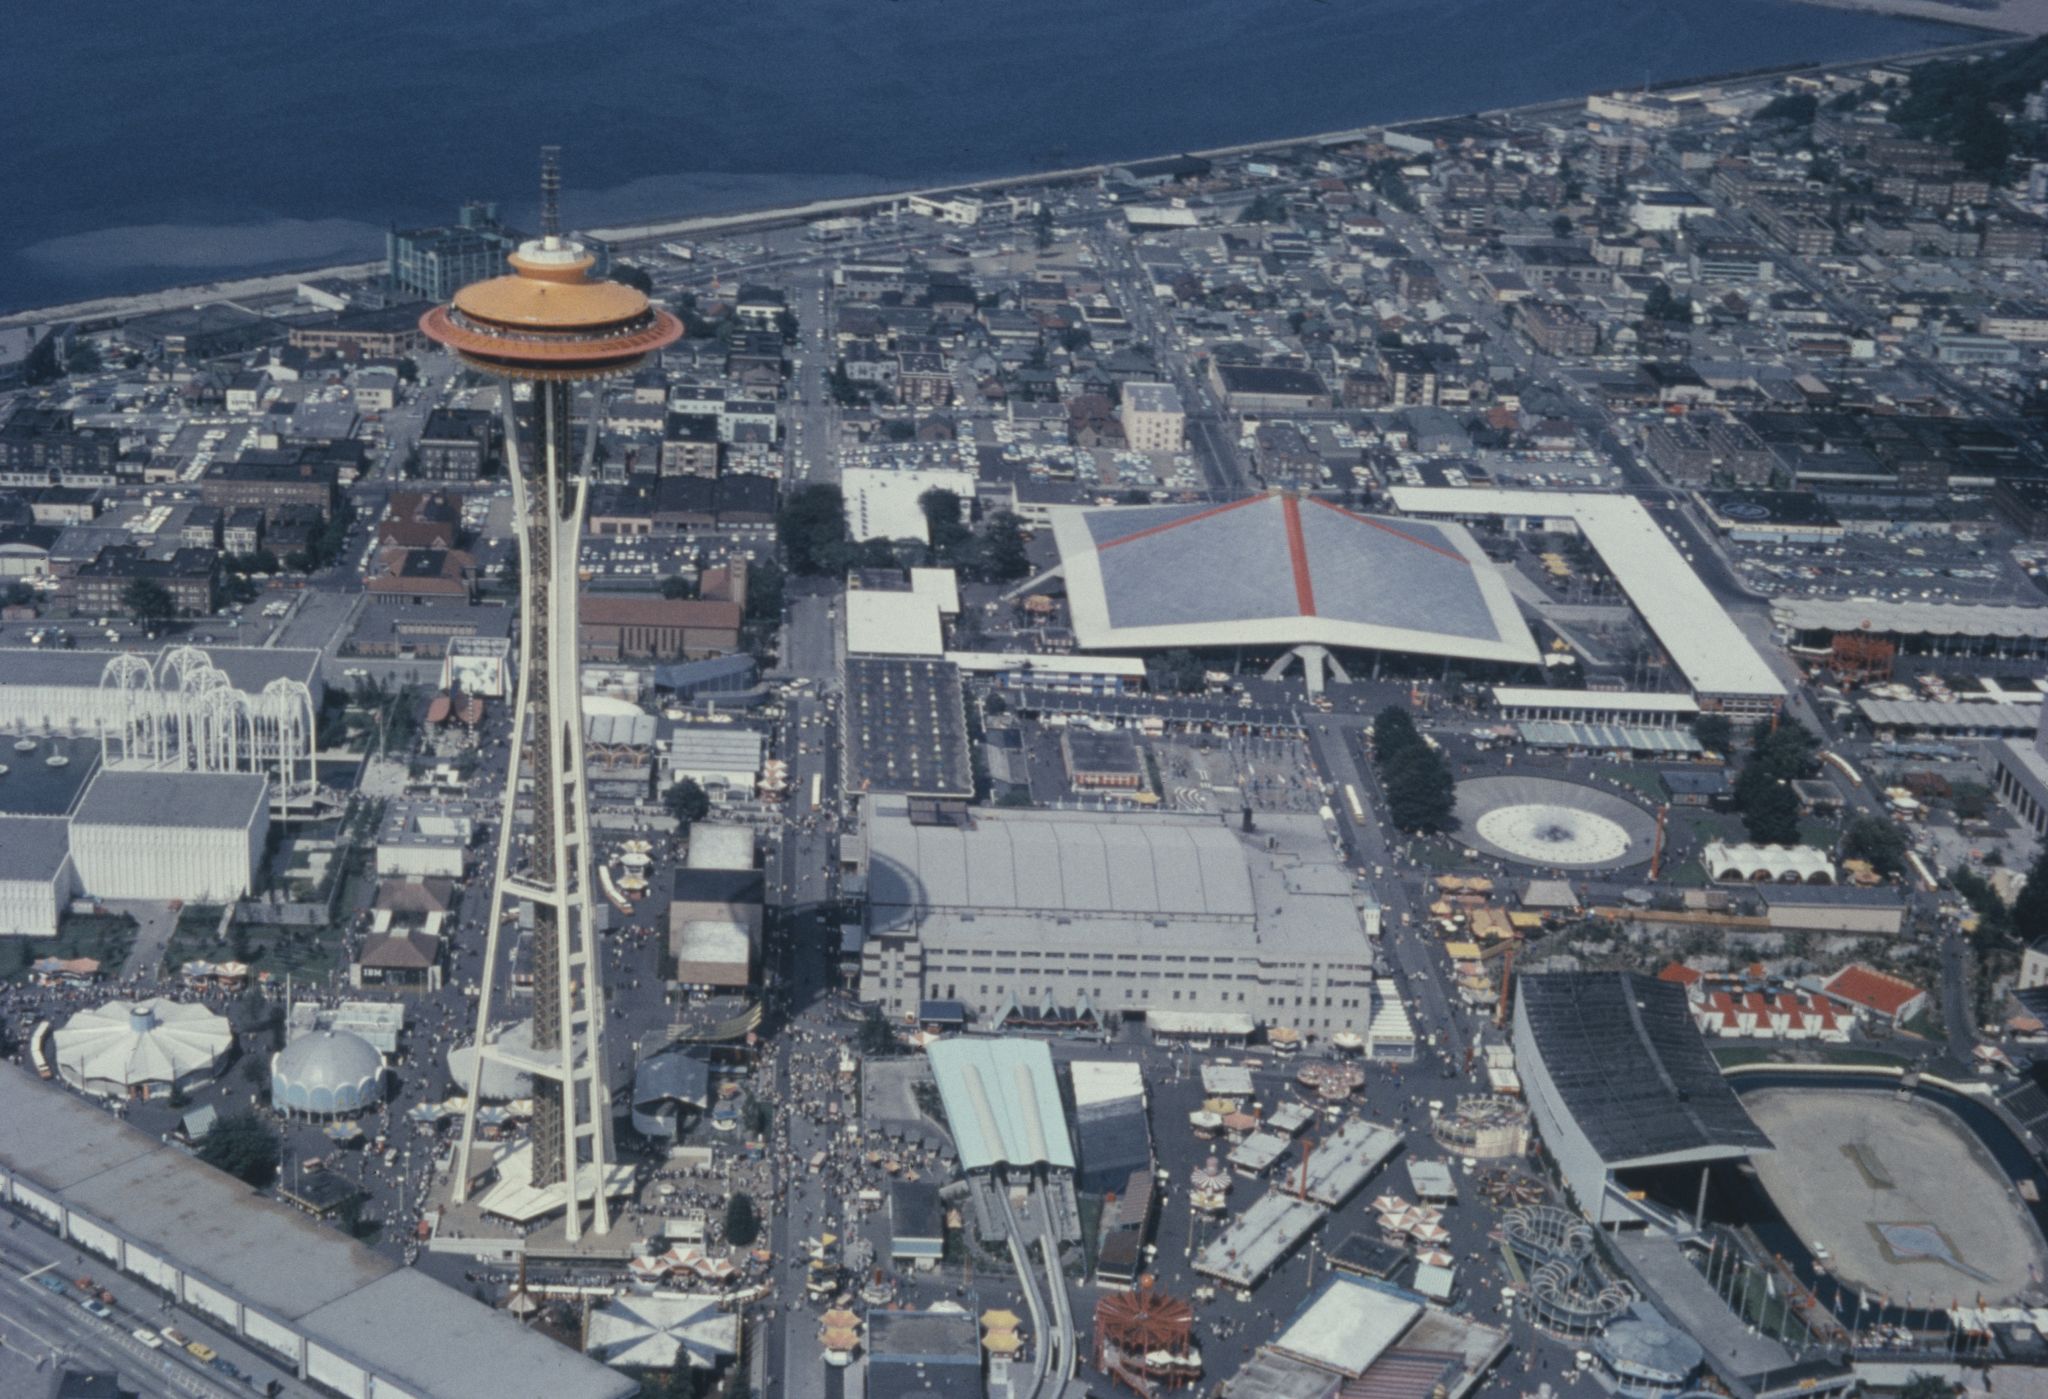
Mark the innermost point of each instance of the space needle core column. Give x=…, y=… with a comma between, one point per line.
x=549, y=325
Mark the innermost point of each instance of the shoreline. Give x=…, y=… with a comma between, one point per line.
x=124, y=306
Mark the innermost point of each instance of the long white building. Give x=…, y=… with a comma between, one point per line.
x=36, y=874
x=164, y=835
x=1721, y=667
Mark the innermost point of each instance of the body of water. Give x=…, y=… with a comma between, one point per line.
x=154, y=144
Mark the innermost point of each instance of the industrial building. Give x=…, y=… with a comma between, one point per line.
x=337, y=1314
x=1050, y=918
x=1272, y=573
x=903, y=728
x=1622, y=1089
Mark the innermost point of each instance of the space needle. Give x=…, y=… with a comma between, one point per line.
x=544, y=329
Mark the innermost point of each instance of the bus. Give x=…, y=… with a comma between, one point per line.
x=817, y=791
x=1855, y=777
x=1357, y=807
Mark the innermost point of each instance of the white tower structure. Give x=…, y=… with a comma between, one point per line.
x=548, y=325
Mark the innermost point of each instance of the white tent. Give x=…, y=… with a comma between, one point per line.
x=153, y=1046
x=664, y=1331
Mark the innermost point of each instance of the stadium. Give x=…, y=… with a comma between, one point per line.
x=1288, y=574
x=1871, y=1200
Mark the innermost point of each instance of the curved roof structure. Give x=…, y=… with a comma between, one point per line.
x=327, y=1072
x=1284, y=570
x=126, y=1045
x=1002, y=1103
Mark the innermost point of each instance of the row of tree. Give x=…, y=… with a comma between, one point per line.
x=1415, y=777
x=815, y=542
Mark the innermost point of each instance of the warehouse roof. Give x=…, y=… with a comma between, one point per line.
x=200, y=800
x=1598, y=701
x=1283, y=570
x=1002, y=1102
x=416, y=1334
x=1914, y=618
x=1954, y=717
x=1105, y=1081
x=1630, y=1067
x=905, y=722
x=1346, y=1324
x=1703, y=641
x=1175, y=881
x=723, y=746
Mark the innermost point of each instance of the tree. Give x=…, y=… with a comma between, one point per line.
x=1714, y=732
x=1041, y=226
x=1877, y=841
x=1662, y=305
x=1393, y=732
x=2030, y=909
x=1177, y=672
x=876, y=1038
x=950, y=537
x=687, y=802
x=1796, y=108
x=1562, y=226
x=677, y=587
x=149, y=602
x=242, y=1145
x=742, y=1220
x=408, y=370
x=1787, y=751
x=765, y=592
x=1770, y=814
x=812, y=524
x=1926, y=1386
x=1003, y=556
x=1420, y=788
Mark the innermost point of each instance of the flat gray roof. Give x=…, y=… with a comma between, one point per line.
x=401, y=1325
x=197, y=799
x=1915, y=618
x=33, y=847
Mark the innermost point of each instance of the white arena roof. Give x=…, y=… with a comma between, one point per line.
x=1702, y=640
x=1283, y=570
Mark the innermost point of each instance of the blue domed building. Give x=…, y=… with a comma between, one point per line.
x=329, y=1073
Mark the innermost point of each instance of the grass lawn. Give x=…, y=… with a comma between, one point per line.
x=1641, y=778
x=305, y=953
x=106, y=936
x=194, y=940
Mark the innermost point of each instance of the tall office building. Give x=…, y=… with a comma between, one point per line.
x=544, y=328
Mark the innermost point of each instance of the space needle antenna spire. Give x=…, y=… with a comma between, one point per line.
x=550, y=194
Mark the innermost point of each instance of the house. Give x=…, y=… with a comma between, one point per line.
x=1877, y=994
x=398, y=962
